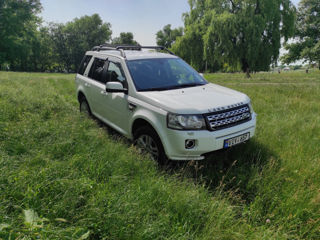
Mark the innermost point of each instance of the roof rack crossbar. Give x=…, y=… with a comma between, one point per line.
x=138, y=47
x=121, y=48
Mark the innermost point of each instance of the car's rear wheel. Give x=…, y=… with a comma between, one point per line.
x=148, y=141
x=84, y=107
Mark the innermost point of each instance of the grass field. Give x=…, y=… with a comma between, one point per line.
x=64, y=176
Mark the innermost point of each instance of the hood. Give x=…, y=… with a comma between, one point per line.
x=194, y=100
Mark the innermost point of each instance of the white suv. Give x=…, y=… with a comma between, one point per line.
x=161, y=103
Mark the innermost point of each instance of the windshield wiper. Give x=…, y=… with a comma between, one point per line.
x=155, y=89
x=188, y=85
x=172, y=87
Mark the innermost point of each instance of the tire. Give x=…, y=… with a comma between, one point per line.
x=84, y=107
x=146, y=139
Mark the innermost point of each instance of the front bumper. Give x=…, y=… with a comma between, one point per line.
x=206, y=141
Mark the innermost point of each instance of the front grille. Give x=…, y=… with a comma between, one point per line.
x=229, y=117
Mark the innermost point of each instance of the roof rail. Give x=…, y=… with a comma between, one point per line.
x=121, y=48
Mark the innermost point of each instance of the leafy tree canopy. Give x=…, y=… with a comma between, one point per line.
x=84, y=33
x=27, y=46
x=307, y=44
x=125, y=38
x=236, y=32
x=18, y=23
x=167, y=36
x=72, y=40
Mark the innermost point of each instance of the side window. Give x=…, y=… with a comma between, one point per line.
x=84, y=63
x=96, y=71
x=115, y=73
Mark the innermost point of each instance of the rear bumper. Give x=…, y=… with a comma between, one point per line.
x=206, y=141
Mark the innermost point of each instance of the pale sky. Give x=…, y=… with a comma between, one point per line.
x=144, y=18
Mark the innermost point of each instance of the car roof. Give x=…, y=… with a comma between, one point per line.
x=131, y=54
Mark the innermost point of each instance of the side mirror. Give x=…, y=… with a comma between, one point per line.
x=115, y=87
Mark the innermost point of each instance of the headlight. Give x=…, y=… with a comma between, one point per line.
x=186, y=122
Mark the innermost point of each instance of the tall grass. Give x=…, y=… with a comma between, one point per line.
x=64, y=176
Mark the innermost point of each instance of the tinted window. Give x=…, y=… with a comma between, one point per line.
x=163, y=74
x=96, y=71
x=84, y=64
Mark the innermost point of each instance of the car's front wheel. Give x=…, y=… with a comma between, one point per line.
x=148, y=141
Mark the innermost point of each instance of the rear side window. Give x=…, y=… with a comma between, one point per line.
x=96, y=71
x=84, y=63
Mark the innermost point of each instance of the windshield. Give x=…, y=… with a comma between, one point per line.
x=161, y=74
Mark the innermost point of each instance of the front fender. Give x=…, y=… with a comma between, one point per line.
x=157, y=119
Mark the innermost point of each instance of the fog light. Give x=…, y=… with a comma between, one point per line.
x=190, y=143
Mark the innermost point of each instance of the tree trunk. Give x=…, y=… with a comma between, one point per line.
x=35, y=65
x=248, y=73
x=245, y=67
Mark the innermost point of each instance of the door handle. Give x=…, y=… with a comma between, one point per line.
x=104, y=93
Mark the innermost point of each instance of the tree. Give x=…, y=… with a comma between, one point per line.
x=18, y=23
x=245, y=33
x=125, y=38
x=73, y=39
x=44, y=55
x=27, y=46
x=60, y=47
x=167, y=36
x=307, y=45
x=83, y=34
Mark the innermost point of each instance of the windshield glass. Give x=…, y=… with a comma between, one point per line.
x=161, y=74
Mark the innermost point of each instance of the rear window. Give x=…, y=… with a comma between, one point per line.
x=97, y=70
x=84, y=63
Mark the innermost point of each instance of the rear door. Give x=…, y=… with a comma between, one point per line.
x=96, y=86
x=82, y=75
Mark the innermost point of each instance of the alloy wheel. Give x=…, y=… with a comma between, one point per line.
x=146, y=143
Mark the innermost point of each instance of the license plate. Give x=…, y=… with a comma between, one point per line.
x=236, y=140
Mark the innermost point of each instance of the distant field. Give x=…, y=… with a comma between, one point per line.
x=67, y=177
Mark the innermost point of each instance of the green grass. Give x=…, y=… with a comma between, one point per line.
x=64, y=176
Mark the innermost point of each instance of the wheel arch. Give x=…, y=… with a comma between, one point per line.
x=81, y=96
x=140, y=121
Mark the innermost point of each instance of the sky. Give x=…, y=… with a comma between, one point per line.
x=144, y=18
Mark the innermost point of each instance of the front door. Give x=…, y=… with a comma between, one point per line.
x=117, y=111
